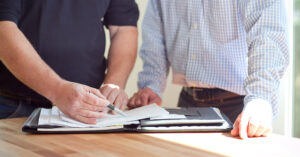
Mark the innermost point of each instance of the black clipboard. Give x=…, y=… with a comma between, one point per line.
x=198, y=119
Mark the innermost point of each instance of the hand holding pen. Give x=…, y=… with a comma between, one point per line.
x=113, y=108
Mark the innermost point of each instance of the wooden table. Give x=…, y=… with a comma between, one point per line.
x=13, y=142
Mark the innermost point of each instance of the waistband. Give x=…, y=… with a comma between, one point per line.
x=204, y=94
x=29, y=100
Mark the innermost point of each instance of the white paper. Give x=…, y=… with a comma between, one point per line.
x=55, y=117
x=45, y=116
x=152, y=110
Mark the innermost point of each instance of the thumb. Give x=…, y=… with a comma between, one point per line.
x=243, y=126
x=155, y=99
x=235, y=130
x=94, y=91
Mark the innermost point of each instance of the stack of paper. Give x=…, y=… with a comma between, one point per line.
x=54, y=117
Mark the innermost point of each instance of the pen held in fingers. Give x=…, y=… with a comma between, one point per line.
x=113, y=108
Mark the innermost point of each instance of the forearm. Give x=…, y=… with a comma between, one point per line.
x=153, y=52
x=122, y=55
x=23, y=61
x=268, y=54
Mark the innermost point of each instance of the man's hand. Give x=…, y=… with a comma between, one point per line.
x=115, y=95
x=254, y=121
x=81, y=102
x=144, y=97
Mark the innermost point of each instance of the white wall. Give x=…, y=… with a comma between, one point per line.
x=282, y=124
x=171, y=93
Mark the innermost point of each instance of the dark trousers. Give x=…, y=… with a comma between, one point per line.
x=12, y=106
x=229, y=103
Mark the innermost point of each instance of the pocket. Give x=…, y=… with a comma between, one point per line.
x=222, y=17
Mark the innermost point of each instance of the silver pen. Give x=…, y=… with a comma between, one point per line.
x=113, y=108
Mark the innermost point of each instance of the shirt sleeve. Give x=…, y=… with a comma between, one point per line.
x=122, y=13
x=153, y=52
x=268, y=56
x=10, y=10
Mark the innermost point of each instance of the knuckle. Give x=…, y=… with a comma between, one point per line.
x=97, y=91
x=77, y=94
x=95, y=108
x=144, y=95
x=94, y=101
x=73, y=101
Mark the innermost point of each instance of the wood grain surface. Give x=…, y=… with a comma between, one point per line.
x=13, y=142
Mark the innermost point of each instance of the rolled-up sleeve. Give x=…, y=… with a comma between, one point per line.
x=10, y=10
x=122, y=13
x=268, y=57
x=153, y=52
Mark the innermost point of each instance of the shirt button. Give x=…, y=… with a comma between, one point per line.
x=195, y=26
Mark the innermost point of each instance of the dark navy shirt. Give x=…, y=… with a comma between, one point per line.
x=68, y=35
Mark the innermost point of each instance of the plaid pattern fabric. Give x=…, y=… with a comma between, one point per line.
x=237, y=45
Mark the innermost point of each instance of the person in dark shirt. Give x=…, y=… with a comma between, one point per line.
x=52, y=52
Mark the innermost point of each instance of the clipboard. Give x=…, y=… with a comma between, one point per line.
x=197, y=119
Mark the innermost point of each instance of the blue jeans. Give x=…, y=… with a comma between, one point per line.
x=12, y=108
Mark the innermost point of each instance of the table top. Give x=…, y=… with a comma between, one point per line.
x=13, y=142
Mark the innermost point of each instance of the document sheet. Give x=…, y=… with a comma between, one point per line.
x=54, y=117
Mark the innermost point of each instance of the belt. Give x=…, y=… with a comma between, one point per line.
x=209, y=94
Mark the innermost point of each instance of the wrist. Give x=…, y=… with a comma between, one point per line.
x=54, y=88
x=119, y=85
x=259, y=107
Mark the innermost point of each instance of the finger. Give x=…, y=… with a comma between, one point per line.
x=235, y=130
x=134, y=104
x=105, y=90
x=138, y=101
x=156, y=100
x=94, y=108
x=251, y=128
x=93, y=91
x=85, y=119
x=94, y=100
x=260, y=130
x=266, y=132
x=140, y=92
x=112, y=96
x=243, y=126
x=132, y=101
x=97, y=93
x=91, y=114
x=118, y=102
x=124, y=104
x=144, y=99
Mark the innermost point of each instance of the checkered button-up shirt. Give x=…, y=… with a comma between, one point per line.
x=237, y=45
